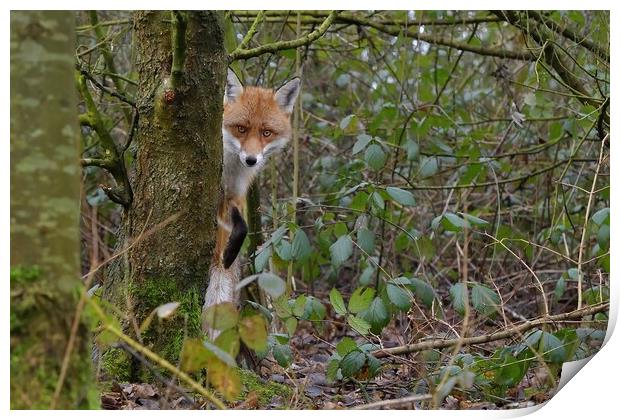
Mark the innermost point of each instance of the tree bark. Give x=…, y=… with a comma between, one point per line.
x=45, y=211
x=171, y=224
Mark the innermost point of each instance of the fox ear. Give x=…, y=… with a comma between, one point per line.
x=287, y=94
x=234, y=88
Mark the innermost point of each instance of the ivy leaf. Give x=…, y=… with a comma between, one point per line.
x=401, y=196
x=601, y=216
x=352, y=363
x=341, y=250
x=377, y=201
x=413, y=149
x=375, y=157
x=553, y=348
x=398, y=297
x=360, y=299
x=335, y=298
x=299, y=306
x=273, y=285
x=484, y=300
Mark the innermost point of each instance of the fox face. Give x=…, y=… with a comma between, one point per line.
x=256, y=121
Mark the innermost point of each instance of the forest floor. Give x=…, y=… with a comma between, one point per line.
x=304, y=384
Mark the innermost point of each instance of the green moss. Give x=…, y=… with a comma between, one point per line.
x=163, y=336
x=116, y=364
x=265, y=390
x=40, y=321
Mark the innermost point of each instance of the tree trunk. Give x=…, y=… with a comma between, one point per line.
x=45, y=210
x=171, y=224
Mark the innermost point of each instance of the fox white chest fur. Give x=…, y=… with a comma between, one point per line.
x=255, y=125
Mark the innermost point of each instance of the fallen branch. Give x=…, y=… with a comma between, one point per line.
x=487, y=338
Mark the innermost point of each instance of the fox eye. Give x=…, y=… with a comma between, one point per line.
x=241, y=129
x=266, y=133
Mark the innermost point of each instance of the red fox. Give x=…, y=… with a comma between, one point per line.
x=256, y=124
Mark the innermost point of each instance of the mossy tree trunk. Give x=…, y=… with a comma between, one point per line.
x=171, y=223
x=45, y=209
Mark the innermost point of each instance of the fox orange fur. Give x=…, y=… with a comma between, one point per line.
x=256, y=124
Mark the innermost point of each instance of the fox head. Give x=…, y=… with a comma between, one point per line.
x=256, y=121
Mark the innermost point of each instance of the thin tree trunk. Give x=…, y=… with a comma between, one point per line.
x=172, y=220
x=45, y=210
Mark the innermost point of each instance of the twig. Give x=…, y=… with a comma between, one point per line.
x=241, y=53
x=582, y=243
x=394, y=402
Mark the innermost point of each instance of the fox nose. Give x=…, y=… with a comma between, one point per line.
x=251, y=160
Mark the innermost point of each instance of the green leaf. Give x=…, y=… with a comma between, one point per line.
x=560, y=288
x=553, y=348
x=253, y=332
x=337, y=302
x=225, y=379
x=341, y=250
x=398, y=296
x=291, y=325
x=360, y=299
x=221, y=355
x=283, y=309
x=348, y=123
x=476, y=221
x=377, y=201
x=375, y=157
x=602, y=237
x=346, y=346
x=299, y=306
x=273, y=285
x=428, y=166
x=283, y=354
x=601, y=216
x=454, y=223
x=284, y=250
x=358, y=324
x=221, y=316
x=361, y=143
x=458, y=293
x=228, y=341
x=301, y=249
x=333, y=367
x=377, y=315
x=401, y=196
x=262, y=258
x=484, y=299
x=352, y=363
x=194, y=355
x=366, y=240
x=423, y=290
x=413, y=150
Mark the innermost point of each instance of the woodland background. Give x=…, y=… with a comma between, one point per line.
x=436, y=235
